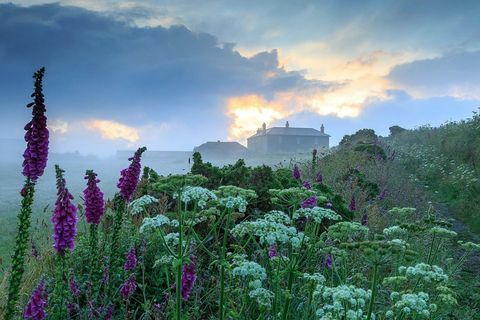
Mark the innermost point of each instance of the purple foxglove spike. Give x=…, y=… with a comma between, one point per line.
x=296, y=173
x=36, y=154
x=35, y=308
x=128, y=287
x=272, y=251
x=307, y=185
x=129, y=177
x=131, y=261
x=328, y=261
x=319, y=178
x=353, y=204
x=189, y=277
x=365, y=220
x=64, y=217
x=94, y=205
x=309, y=202
x=74, y=287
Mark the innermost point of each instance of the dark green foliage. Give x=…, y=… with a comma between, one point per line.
x=284, y=178
x=339, y=205
x=361, y=136
x=209, y=171
x=360, y=179
x=394, y=130
x=170, y=184
x=373, y=150
x=262, y=179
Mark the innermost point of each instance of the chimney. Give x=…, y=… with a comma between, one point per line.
x=287, y=125
x=322, y=128
x=264, y=128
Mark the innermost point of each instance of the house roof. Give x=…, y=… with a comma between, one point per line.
x=224, y=146
x=290, y=131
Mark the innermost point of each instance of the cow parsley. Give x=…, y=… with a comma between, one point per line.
x=394, y=231
x=139, y=205
x=317, y=214
x=269, y=232
x=198, y=195
x=262, y=296
x=231, y=202
x=426, y=272
x=412, y=305
x=157, y=222
x=442, y=232
x=343, y=300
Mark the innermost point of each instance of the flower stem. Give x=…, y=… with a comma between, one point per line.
x=18, y=259
x=374, y=291
x=222, y=268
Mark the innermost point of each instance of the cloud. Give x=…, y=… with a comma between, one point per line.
x=112, y=130
x=455, y=74
x=58, y=126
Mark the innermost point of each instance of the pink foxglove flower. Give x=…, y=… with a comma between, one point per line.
x=36, y=154
x=64, y=217
x=129, y=176
x=94, y=205
x=35, y=308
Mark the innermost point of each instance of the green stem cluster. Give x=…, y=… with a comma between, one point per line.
x=18, y=259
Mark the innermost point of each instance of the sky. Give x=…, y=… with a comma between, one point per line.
x=173, y=74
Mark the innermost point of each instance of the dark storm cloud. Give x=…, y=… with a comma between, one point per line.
x=106, y=65
x=454, y=73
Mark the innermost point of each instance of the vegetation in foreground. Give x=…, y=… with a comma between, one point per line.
x=325, y=239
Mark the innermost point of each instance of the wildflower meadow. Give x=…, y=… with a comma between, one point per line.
x=327, y=238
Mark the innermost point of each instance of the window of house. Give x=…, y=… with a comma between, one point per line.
x=298, y=140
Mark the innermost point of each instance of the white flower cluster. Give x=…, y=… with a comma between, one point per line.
x=262, y=296
x=344, y=302
x=252, y=271
x=278, y=216
x=196, y=194
x=394, y=231
x=138, y=205
x=269, y=232
x=234, y=203
x=469, y=245
x=411, y=305
x=316, y=213
x=157, y=222
x=442, y=232
x=346, y=230
x=172, y=239
x=255, y=274
x=426, y=272
x=316, y=278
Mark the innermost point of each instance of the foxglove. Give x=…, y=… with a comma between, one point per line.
x=365, y=220
x=272, y=251
x=189, y=277
x=319, y=178
x=296, y=173
x=309, y=202
x=131, y=261
x=129, y=176
x=35, y=160
x=94, y=205
x=35, y=308
x=128, y=287
x=307, y=185
x=328, y=261
x=353, y=204
x=64, y=217
x=36, y=154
